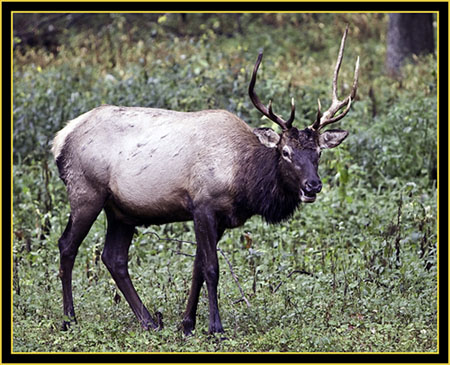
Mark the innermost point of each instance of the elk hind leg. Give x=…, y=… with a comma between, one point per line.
x=81, y=218
x=115, y=258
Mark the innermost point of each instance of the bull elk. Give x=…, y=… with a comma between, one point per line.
x=146, y=166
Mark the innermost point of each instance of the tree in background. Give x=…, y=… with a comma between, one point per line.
x=408, y=34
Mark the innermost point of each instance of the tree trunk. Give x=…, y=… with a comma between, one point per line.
x=408, y=34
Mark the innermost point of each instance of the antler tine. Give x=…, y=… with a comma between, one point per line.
x=355, y=79
x=316, y=123
x=348, y=100
x=292, y=117
x=267, y=111
x=328, y=117
x=338, y=64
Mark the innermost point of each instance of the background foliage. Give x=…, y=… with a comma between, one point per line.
x=355, y=271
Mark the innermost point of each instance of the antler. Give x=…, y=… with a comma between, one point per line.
x=328, y=117
x=267, y=111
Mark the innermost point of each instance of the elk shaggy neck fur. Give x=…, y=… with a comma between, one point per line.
x=262, y=187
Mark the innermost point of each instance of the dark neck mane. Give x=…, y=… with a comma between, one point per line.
x=262, y=189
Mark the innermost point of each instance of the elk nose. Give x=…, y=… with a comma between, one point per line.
x=313, y=186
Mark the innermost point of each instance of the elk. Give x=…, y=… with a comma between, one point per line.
x=146, y=166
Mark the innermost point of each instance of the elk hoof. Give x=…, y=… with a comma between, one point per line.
x=216, y=328
x=159, y=320
x=67, y=323
x=65, y=326
x=149, y=323
x=188, y=326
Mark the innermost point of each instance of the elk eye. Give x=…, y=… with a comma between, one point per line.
x=286, y=152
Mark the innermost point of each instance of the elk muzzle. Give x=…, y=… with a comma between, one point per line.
x=309, y=190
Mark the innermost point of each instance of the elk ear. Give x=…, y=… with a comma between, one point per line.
x=332, y=138
x=268, y=137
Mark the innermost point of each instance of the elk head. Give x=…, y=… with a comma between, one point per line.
x=300, y=149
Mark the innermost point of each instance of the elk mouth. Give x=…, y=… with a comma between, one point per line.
x=307, y=197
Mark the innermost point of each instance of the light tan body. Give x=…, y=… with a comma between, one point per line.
x=153, y=161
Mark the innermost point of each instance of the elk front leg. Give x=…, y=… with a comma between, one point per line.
x=206, y=267
x=191, y=309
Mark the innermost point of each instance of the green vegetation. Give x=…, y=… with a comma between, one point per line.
x=354, y=272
